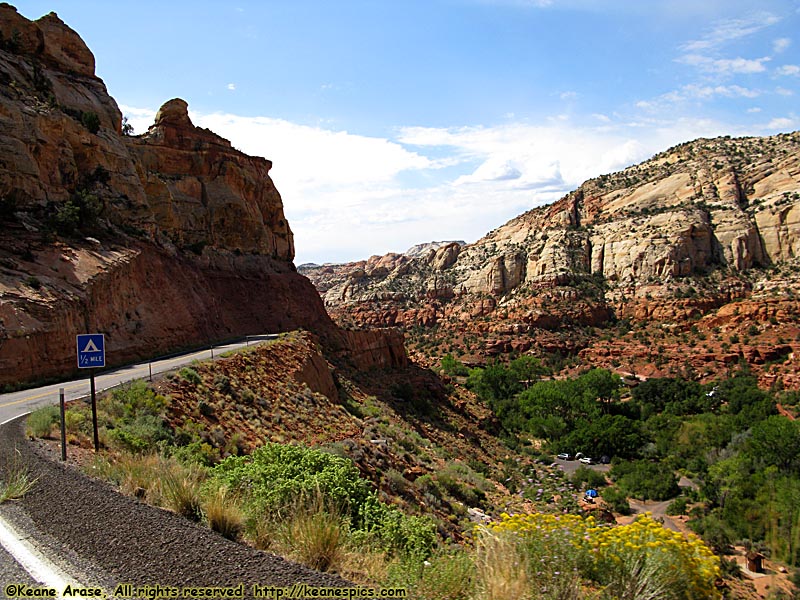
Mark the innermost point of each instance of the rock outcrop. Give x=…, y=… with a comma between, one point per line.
x=710, y=219
x=161, y=241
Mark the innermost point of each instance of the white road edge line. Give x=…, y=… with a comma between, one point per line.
x=34, y=562
x=28, y=557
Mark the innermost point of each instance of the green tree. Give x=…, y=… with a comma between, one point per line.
x=528, y=369
x=645, y=479
x=599, y=384
x=610, y=435
x=494, y=382
x=776, y=441
x=453, y=367
x=91, y=121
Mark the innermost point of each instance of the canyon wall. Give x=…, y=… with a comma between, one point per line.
x=166, y=240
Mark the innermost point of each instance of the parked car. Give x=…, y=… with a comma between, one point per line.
x=587, y=460
x=565, y=456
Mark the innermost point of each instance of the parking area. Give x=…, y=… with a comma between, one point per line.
x=570, y=466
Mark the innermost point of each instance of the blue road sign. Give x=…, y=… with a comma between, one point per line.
x=91, y=350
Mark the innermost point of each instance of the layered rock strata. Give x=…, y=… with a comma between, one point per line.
x=161, y=241
x=672, y=239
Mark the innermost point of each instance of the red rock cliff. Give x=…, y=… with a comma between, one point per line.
x=161, y=241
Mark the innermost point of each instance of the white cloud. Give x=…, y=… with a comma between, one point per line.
x=781, y=45
x=782, y=91
x=694, y=92
x=725, y=66
x=729, y=30
x=754, y=109
x=232, y=86
x=349, y=196
x=707, y=92
x=312, y=156
x=493, y=169
x=139, y=118
x=568, y=95
x=788, y=70
x=518, y=156
x=783, y=123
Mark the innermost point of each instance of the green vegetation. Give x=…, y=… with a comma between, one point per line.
x=42, y=421
x=646, y=480
x=274, y=478
x=91, y=121
x=727, y=435
x=313, y=506
x=305, y=503
x=77, y=214
x=453, y=367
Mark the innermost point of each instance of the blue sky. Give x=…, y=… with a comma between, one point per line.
x=392, y=122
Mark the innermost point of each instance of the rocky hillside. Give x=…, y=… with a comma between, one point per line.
x=427, y=444
x=165, y=240
x=684, y=262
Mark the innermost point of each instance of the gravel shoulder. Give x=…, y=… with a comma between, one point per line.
x=108, y=539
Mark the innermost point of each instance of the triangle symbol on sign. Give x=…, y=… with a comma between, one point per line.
x=90, y=347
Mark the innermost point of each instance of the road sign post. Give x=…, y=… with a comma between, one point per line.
x=92, y=355
x=63, y=425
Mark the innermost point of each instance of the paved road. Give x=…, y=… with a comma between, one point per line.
x=657, y=509
x=18, y=403
x=12, y=572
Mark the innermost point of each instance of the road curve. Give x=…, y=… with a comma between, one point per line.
x=19, y=403
x=118, y=539
x=101, y=537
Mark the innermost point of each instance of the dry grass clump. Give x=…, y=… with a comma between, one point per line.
x=316, y=534
x=223, y=513
x=155, y=479
x=181, y=492
x=16, y=481
x=502, y=567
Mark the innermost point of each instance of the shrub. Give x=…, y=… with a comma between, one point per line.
x=636, y=561
x=461, y=482
x=79, y=211
x=140, y=434
x=91, y=121
x=274, y=476
x=677, y=506
x=616, y=500
x=190, y=375
x=41, y=421
x=16, y=482
x=454, y=367
x=645, y=560
x=447, y=575
x=646, y=480
x=502, y=567
x=589, y=477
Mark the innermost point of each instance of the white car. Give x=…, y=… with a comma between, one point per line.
x=586, y=460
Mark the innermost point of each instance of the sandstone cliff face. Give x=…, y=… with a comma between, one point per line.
x=203, y=192
x=161, y=241
x=713, y=219
x=729, y=204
